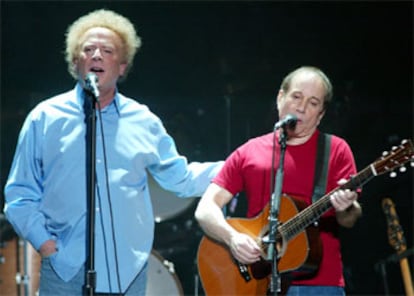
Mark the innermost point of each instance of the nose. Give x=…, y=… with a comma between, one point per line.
x=301, y=106
x=97, y=54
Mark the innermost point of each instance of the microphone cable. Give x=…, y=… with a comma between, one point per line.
x=110, y=209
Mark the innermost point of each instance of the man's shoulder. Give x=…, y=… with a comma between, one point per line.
x=130, y=103
x=258, y=142
x=337, y=140
x=56, y=102
x=130, y=107
x=339, y=145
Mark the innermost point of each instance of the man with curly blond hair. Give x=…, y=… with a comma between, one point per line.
x=46, y=192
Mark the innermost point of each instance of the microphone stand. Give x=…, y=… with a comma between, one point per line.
x=90, y=101
x=380, y=266
x=275, y=283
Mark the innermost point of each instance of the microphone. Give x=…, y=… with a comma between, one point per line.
x=91, y=84
x=289, y=122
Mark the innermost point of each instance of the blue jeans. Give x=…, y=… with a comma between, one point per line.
x=315, y=291
x=52, y=285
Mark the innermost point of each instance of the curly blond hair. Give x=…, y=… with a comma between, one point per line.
x=106, y=19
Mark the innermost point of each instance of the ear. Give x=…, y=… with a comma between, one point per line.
x=74, y=65
x=279, y=98
x=320, y=116
x=122, y=69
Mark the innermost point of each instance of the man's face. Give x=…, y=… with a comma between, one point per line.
x=101, y=52
x=305, y=99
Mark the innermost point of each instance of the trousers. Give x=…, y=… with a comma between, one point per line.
x=52, y=285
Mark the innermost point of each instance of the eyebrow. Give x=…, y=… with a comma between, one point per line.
x=316, y=98
x=301, y=93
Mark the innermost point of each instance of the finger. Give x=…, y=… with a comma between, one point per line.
x=342, y=181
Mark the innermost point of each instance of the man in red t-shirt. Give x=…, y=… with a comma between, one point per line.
x=304, y=94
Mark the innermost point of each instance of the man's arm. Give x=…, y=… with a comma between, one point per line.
x=210, y=216
x=350, y=215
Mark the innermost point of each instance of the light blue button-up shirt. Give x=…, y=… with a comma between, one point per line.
x=46, y=189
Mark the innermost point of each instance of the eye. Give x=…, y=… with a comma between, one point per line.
x=88, y=49
x=315, y=103
x=108, y=50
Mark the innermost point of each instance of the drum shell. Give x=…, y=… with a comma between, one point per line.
x=19, y=268
x=166, y=205
x=161, y=277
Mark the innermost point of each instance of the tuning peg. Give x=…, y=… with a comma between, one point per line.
x=393, y=174
x=385, y=153
x=412, y=163
x=403, y=169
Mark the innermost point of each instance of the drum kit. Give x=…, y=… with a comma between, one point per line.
x=175, y=239
x=20, y=263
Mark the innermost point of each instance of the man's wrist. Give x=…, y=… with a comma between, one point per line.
x=48, y=248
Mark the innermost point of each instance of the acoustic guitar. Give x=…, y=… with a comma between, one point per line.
x=297, y=239
x=397, y=241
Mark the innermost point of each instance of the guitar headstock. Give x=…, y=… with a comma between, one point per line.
x=394, y=229
x=395, y=158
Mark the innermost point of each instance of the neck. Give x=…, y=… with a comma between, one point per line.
x=106, y=98
x=295, y=139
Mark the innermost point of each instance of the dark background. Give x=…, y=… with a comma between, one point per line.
x=211, y=71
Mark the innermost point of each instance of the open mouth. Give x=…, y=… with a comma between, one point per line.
x=96, y=70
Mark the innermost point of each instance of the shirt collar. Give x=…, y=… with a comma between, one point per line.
x=115, y=104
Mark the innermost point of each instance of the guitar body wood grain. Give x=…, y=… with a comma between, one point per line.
x=220, y=274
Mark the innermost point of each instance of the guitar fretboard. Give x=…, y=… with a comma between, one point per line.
x=311, y=214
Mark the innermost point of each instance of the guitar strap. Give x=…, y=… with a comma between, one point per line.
x=321, y=167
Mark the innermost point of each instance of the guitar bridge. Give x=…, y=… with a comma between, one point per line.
x=244, y=271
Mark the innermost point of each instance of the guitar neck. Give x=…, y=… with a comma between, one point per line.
x=392, y=160
x=309, y=215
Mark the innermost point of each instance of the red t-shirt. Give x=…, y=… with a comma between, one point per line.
x=248, y=169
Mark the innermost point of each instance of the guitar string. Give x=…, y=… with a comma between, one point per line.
x=312, y=213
